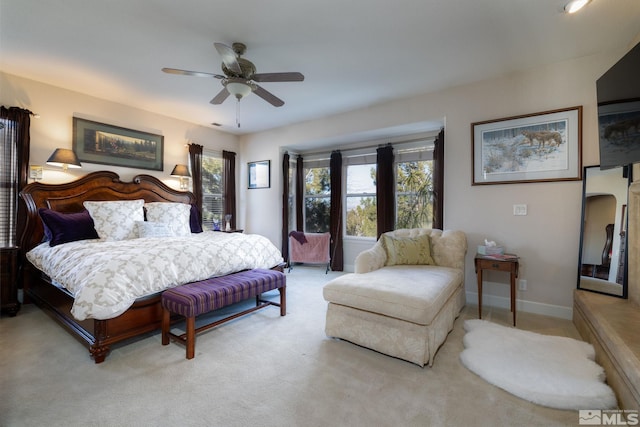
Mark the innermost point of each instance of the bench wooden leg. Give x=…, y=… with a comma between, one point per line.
x=283, y=300
x=191, y=337
x=165, y=326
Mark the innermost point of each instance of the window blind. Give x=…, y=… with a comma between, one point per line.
x=8, y=182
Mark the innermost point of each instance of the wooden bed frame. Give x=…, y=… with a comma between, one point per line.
x=98, y=335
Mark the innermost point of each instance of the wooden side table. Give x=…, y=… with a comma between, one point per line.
x=9, y=280
x=508, y=264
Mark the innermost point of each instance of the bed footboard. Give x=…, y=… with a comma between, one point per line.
x=143, y=317
x=97, y=335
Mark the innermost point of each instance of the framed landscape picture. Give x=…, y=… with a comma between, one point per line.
x=95, y=142
x=537, y=147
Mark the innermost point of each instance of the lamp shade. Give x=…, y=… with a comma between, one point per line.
x=64, y=158
x=180, y=170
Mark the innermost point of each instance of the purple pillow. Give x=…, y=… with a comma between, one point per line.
x=194, y=220
x=67, y=227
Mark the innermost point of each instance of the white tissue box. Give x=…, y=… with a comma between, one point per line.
x=490, y=250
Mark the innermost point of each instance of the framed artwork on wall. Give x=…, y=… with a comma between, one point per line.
x=95, y=142
x=35, y=172
x=536, y=147
x=259, y=174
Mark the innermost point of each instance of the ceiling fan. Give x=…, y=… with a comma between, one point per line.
x=240, y=76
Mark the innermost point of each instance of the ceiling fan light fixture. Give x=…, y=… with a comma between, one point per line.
x=239, y=89
x=240, y=77
x=575, y=5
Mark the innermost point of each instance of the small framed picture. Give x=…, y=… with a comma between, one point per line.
x=35, y=172
x=259, y=174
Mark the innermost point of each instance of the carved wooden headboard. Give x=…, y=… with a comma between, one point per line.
x=97, y=186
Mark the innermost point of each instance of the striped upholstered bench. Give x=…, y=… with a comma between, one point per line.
x=192, y=299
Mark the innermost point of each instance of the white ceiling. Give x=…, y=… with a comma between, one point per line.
x=353, y=53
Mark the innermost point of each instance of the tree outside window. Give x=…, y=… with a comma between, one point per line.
x=414, y=194
x=361, y=201
x=317, y=200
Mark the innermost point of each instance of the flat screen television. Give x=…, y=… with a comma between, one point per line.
x=619, y=112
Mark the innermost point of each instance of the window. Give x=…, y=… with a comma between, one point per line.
x=292, y=196
x=8, y=184
x=361, y=200
x=317, y=197
x=212, y=189
x=414, y=192
x=414, y=187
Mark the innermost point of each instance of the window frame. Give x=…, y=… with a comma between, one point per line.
x=8, y=184
x=405, y=150
x=364, y=160
x=308, y=165
x=398, y=194
x=208, y=224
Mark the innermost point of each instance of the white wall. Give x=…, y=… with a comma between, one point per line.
x=546, y=239
x=54, y=128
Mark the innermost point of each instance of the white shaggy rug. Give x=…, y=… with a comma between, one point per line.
x=557, y=372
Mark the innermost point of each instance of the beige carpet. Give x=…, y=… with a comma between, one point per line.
x=259, y=370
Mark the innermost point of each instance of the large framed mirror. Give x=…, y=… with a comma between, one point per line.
x=603, y=244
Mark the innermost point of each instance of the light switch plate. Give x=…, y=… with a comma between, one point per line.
x=519, y=209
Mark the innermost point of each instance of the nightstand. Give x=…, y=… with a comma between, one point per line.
x=508, y=263
x=9, y=280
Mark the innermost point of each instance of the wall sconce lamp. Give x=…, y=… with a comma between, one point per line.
x=64, y=158
x=182, y=172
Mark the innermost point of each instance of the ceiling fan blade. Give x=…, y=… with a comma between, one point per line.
x=191, y=73
x=229, y=57
x=268, y=96
x=220, y=97
x=278, y=77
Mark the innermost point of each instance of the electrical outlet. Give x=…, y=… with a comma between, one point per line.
x=522, y=284
x=519, y=209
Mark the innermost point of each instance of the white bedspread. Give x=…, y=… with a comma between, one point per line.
x=107, y=277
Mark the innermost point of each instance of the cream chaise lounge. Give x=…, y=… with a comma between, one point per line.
x=404, y=296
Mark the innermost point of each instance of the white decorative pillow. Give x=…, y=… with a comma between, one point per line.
x=116, y=220
x=176, y=215
x=153, y=229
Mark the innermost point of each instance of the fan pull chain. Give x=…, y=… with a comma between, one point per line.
x=238, y=113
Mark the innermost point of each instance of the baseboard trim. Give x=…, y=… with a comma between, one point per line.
x=522, y=305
